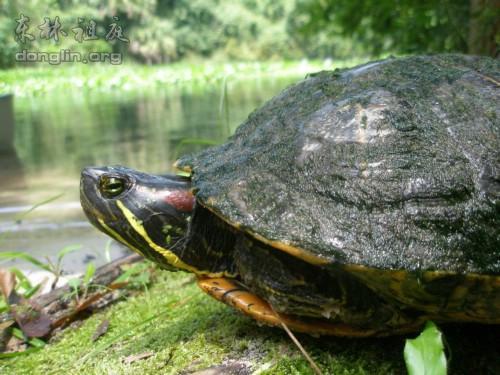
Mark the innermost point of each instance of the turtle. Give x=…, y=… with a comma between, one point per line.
x=357, y=202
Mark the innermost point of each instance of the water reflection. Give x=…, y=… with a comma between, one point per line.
x=11, y=171
x=67, y=132
x=55, y=136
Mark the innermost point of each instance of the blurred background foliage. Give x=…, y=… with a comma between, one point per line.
x=405, y=26
x=163, y=31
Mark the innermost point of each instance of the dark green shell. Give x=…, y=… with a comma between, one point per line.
x=391, y=165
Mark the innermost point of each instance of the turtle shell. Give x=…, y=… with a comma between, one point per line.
x=392, y=165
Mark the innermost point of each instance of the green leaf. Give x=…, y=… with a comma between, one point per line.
x=9, y=255
x=74, y=283
x=89, y=272
x=130, y=272
x=424, y=355
x=31, y=291
x=21, y=277
x=16, y=332
x=142, y=278
x=66, y=250
x=37, y=343
x=4, y=307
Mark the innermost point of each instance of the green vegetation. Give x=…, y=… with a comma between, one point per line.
x=167, y=31
x=187, y=330
x=468, y=26
x=178, y=328
x=49, y=81
x=425, y=354
x=160, y=31
x=22, y=284
x=197, y=45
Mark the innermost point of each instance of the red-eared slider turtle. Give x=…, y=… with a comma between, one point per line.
x=358, y=202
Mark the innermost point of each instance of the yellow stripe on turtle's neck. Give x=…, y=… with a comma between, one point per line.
x=117, y=237
x=170, y=256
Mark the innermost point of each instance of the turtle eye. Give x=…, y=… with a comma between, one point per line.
x=111, y=186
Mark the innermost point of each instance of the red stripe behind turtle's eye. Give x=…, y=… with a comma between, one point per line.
x=182, y=200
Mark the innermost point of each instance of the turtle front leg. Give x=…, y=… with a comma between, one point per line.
x=236, y=295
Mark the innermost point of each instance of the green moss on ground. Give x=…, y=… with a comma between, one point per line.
x=186, y=331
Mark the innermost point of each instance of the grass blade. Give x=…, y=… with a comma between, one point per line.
x=66, y=250
x=107, y=251
x=21, y=216
x=10, y=255
x=194, y=141
x=224, y=106
x=89, y=273
x=18, y=354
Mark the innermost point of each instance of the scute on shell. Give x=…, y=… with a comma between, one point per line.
x=391, y=165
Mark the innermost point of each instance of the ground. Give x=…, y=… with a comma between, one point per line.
x=180, y=330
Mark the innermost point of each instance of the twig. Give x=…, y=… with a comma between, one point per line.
x=306, y=355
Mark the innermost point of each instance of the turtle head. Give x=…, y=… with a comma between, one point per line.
x=148, y=213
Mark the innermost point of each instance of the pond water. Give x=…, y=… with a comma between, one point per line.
x=56, y=135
